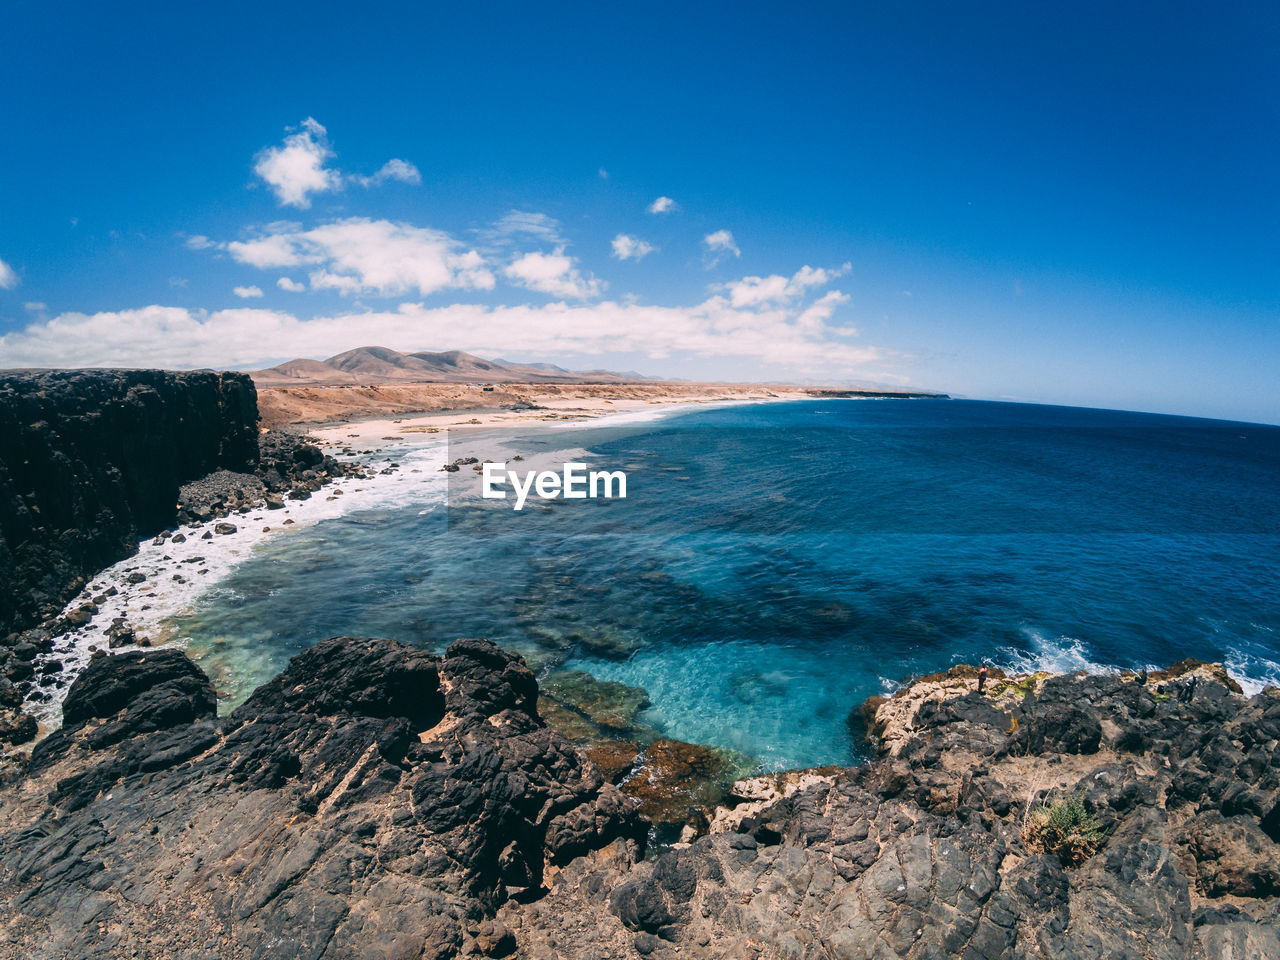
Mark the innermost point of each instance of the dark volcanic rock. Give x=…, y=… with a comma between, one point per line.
x=146, y=686
x=91, y=460
x=372, y=800
x=920, y=853
x=376, y=800
x=290, y=463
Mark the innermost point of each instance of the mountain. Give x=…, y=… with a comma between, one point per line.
x=309, y=371
x=370, y=365
x=546, y=367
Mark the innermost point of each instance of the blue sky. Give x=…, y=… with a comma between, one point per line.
x=1002, y=201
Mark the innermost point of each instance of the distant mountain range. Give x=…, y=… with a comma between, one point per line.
x=372, y=365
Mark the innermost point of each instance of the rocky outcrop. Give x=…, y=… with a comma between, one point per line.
x=372, y=800
x=92, y=459
x=290, y=467
x=926, y=852
x=376, y=800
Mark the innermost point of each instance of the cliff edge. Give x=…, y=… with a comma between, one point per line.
x=90, y=460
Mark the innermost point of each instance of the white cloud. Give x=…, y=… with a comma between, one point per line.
x=293, y=286
x=720, y=244
x=525, y=223
x=776, y=288
x=627, y=247
x=795, y=336
x=247, y=293
x=277, y=247
x=553, y=273
x=296, y=169
x=401, y=170
x=8, y=277
x=35, y=306
x=604, y=174
x=198, y=242
x=299, y=168
x=364, y=256
x=663, y=205
x=813, y=319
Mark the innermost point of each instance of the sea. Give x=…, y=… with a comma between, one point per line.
x=774, y=564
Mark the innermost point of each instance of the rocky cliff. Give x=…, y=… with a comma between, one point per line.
x=375, y=800
x=92, y=459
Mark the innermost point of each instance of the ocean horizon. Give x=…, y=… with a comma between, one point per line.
x=774, y=564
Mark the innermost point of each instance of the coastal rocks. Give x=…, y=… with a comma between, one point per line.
x=372, y=800
x=218, y=494
x=92, y=459
x=676, y=784
x=16, y=727
x=289, y=466
x=890, y=722
x=921, y=853
x=749, y=798
x=377, y=800
x=120, y=635
x=1230, y=856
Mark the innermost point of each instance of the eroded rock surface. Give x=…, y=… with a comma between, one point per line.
x=920, y=853
x=377, y=801
x=373, y=800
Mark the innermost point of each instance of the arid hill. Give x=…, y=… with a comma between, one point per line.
x=375, y=365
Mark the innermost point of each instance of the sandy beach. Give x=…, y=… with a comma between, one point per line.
x=320, y=405
x=578, y=405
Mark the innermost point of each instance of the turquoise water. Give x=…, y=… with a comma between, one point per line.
x=775, y=564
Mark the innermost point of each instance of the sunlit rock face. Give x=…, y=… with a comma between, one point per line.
x=373, y=799
x=378, y=800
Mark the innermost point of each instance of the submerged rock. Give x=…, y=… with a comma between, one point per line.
x=675, y=783
x=606, y=703
x=680, y=783
x=614, y=758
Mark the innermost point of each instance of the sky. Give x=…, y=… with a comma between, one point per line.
x=1007, y=201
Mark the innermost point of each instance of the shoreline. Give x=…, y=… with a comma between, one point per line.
x=176, y=574
x=566, y=412
x=321, y=405
x=375, y=444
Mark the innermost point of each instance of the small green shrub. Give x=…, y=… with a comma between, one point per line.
x=1064, y=828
